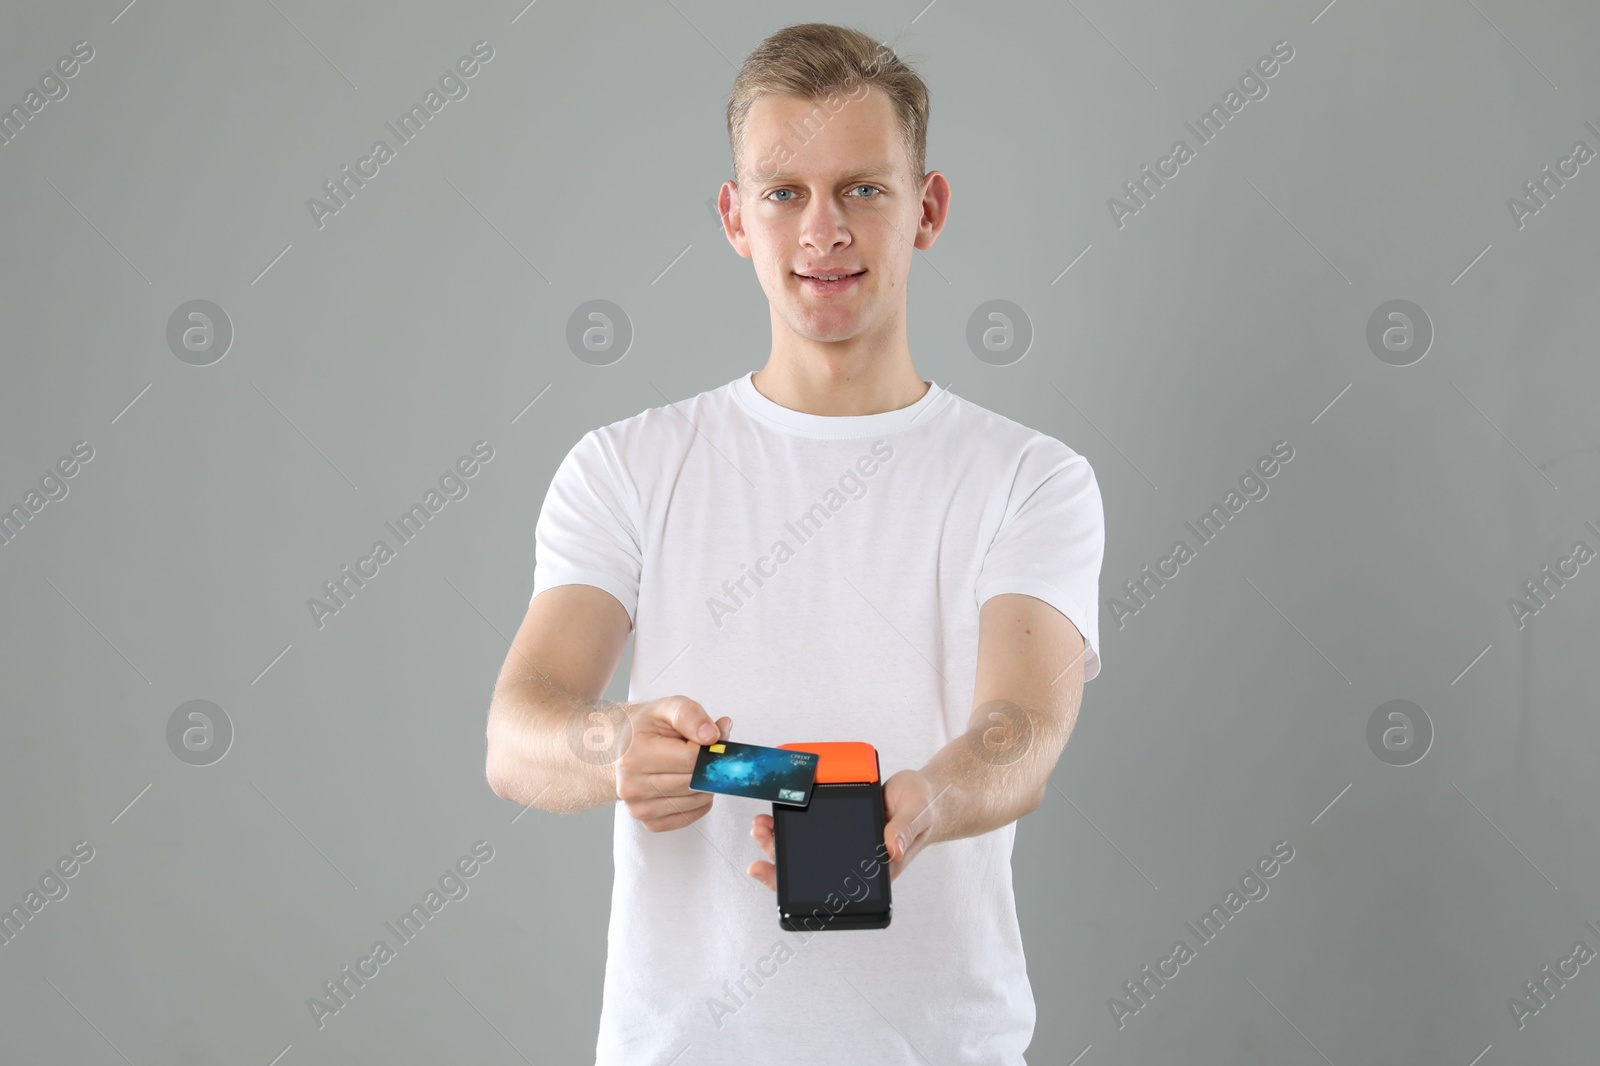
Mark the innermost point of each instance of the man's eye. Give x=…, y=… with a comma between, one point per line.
x=775, y=192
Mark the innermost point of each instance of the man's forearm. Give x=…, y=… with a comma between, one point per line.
x=994, y=773
x=550, y=749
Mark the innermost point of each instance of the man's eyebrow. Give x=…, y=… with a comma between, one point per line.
x=879, y=170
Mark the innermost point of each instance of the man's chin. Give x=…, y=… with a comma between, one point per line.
x=828, y=338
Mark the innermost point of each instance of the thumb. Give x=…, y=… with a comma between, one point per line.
x=690, y=721
x=895, y=835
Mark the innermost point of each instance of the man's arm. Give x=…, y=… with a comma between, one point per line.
x=1029, y=686
x=564, y=655
x=1025, y=703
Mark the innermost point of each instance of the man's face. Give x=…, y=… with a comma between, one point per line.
x=833, y=200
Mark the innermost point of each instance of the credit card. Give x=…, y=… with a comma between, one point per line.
x=776, y=774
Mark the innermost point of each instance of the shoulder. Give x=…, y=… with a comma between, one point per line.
x=662, y=426
x=1009, y=446
x=639, y=455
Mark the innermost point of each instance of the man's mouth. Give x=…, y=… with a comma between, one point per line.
x=829, y=284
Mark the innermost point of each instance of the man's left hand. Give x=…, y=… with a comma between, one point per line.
x=908, y=801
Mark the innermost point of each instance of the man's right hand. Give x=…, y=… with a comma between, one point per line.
x=653, y=773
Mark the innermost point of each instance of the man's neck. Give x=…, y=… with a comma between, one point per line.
x=836, y=389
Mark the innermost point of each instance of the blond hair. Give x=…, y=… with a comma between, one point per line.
x=816, y=60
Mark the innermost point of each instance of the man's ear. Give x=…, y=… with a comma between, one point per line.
x=935, y=209
x=729, y=202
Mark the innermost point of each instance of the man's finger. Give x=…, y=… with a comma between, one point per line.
x=693, y=723
x=673, y=770
x=663, y=808
x=895, y=838
x=761, y=831
x=764, y=872
x=664, y=753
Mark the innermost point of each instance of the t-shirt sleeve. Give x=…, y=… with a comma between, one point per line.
x=587, y=531
x=1051, y=542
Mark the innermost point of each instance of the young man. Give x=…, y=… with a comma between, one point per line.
x=830, y=548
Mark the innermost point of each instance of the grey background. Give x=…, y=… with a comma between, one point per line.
x=370, y=354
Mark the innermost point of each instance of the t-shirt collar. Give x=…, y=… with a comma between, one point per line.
x=805, y=424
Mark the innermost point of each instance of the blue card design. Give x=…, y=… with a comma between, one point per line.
x=775, y=774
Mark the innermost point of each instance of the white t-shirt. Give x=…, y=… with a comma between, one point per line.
x=816, y=578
